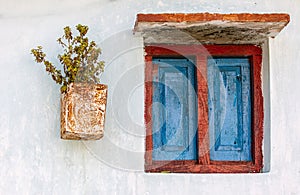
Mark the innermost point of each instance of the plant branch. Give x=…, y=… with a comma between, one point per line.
x=79, y=59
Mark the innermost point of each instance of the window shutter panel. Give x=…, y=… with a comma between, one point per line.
x=229, y=109
x=174, y=110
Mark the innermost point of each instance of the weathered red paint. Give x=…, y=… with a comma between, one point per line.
x=196, y=168
x=195, y=17
x=202, y=94
x=206, y=17
x=148, y=110
x=257, y=113
x=204, y=164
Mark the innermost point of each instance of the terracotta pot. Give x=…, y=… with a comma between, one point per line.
x=83, y=109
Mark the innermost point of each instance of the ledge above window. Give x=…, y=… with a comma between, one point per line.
x=207, y=28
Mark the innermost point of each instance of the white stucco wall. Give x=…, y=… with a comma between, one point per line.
x=34, y=160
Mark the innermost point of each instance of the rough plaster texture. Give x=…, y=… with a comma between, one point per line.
x=209, y=28
x=34, y=160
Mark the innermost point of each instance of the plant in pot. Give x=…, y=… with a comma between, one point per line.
x=83, y=99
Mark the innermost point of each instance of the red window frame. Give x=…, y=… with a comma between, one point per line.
x=200, y=53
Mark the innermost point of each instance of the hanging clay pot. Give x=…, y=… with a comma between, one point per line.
x=83, y=109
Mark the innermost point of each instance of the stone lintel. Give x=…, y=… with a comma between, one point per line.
x=207, y=28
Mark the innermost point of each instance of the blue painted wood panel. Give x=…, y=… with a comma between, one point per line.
x=174, y=110
x=229, y=109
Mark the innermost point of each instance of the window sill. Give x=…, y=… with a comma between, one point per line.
x=193, y=167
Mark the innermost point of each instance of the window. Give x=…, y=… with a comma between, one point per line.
x=203, y=108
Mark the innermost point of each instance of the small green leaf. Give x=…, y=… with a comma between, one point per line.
x=63, y=88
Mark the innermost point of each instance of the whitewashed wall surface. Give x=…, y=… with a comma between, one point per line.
x=33, y=158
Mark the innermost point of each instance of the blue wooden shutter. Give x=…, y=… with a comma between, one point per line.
x=174, y=119
x=229, y=109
